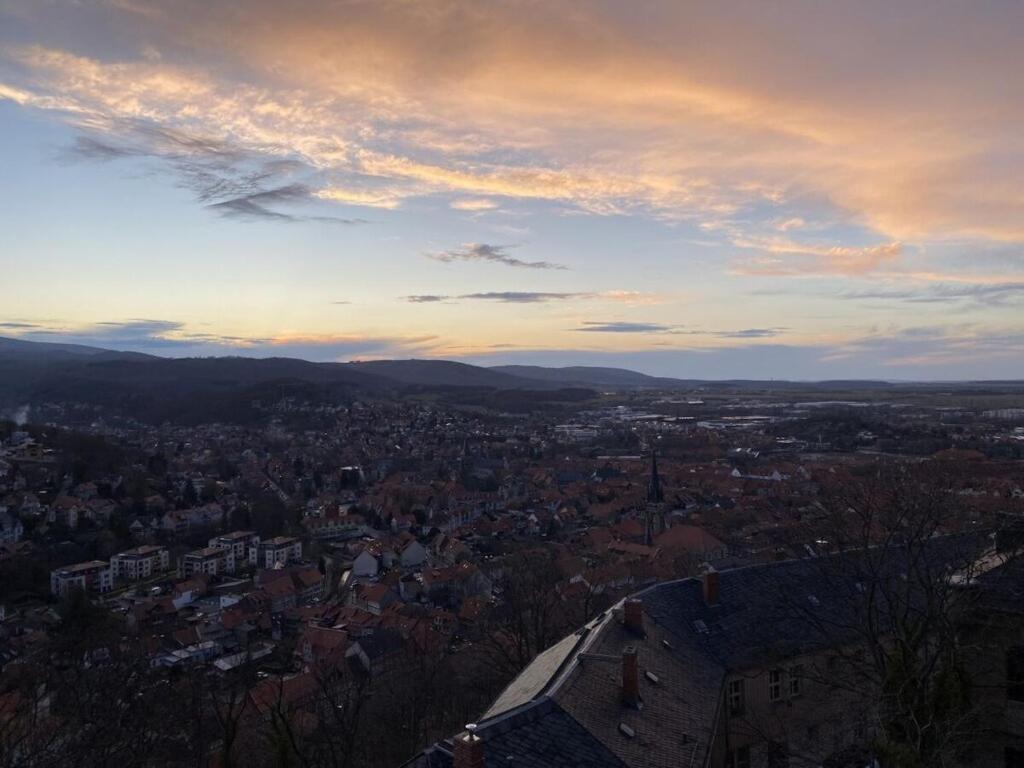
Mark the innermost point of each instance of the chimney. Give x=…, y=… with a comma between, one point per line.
x=469, y=749
x=633, y=616
x=630, y=677
x=710, y=583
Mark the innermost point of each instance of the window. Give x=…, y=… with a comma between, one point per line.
x=774, y=684
x=1015, y=674
x=796, y=681
x=738, y=758
x=735, y=698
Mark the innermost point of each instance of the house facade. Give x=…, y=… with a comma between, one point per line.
x=278, y=550
x=211, y=561
x=140, y=563
x=93, y=577
x=239, y=542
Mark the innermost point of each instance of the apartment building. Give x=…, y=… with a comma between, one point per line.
x=93, y=577
x=140, y=563
x=278, y=550
x=211, y=561
x=239, y=542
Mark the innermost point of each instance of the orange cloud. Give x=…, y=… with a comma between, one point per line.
x=604, y=110
x=473, y=204
x=781, y=258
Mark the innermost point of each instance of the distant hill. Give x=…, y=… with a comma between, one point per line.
x=445, y=373
x=194, y=390
x=34, y=350
x=582, y=375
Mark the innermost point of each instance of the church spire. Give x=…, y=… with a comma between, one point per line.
x=654, y=513
x=654, y=493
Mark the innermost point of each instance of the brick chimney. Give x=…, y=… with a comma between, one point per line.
x=710, y=586
x=469, y=749
x=633, y=616
x=630, y=677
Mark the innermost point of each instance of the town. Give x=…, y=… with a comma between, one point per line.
x=412, y=557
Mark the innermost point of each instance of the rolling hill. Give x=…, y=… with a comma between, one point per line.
x=193, y=390
x=580, y=375
x=155, y=388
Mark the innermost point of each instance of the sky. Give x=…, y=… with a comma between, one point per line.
x=795, y=189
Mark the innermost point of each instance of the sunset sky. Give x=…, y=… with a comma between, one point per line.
x=752, y=189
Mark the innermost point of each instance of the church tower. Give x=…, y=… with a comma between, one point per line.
x=655, y=495
x=654, y=512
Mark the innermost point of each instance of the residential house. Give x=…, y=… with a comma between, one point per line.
x=181, y=521
x=412, y=554
x=378, y=653
x=365, y=564
x=100, y=510
x=322, y=647
x=65, y=511
x=455, y=583
x=373, y=598
x=281, y=594
x=309, y=584
x=335, y=527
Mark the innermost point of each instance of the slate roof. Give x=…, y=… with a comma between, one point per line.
x=675, y=725
x=1004, y=587
x=539, y=734
x=380, y=643
x=532, y=681
x=565, y=708
x=763, y=614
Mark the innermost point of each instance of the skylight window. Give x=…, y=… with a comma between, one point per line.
x=626, y=731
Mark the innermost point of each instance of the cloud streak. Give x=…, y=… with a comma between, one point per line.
x=621, y=326
x=985, y=294
x=256, y=206
x=536, y=297
x=593, y=326
x=496, y=254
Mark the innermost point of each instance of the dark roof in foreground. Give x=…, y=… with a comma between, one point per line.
x=566, y=708
x=536, y=735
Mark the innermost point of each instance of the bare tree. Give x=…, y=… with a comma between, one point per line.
x=529, y=617
x=885, y=621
